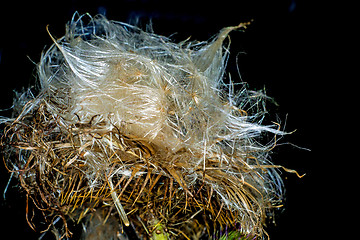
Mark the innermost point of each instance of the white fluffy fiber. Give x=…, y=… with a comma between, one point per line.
x=172, y=94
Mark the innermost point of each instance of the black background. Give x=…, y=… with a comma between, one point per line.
x=282, y=50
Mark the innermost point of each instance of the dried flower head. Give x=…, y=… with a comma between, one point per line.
x=129, y=122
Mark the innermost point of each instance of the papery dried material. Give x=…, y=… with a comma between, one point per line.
x=131, y=122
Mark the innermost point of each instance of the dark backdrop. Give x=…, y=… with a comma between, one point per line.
x=282, y=50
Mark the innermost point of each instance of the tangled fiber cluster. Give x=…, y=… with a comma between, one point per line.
x=133, y=129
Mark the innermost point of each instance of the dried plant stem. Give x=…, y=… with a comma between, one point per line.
x=118, y=205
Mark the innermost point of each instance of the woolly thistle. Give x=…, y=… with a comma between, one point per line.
x=130, y=128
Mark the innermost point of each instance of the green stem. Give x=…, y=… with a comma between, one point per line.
x=159, y=231
x=234, y=235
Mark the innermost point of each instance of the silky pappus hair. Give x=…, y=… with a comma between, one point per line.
x=130, y=130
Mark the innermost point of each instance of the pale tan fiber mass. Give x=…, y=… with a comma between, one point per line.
x=129, y=122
